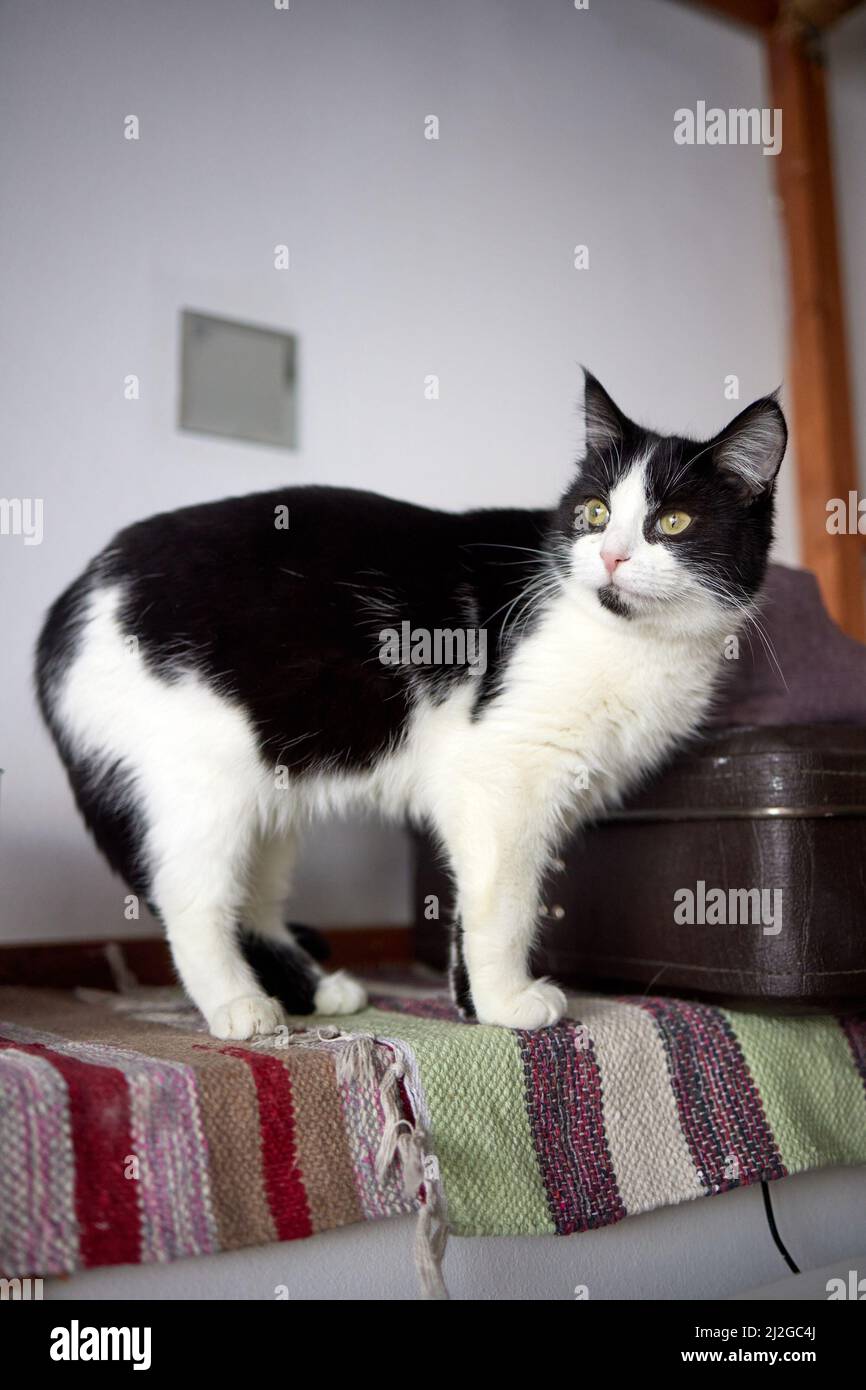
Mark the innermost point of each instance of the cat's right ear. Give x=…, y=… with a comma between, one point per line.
x=604, y=422
x=751, y=448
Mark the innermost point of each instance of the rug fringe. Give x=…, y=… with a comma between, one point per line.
x=431, y=1236
x=404, y=1140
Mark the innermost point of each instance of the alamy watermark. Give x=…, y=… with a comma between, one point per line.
x=22, y=516
x=846, y=516
x=21, y=1290
x=737, y=126
x=438, y=646
x=735, y=907
x=77, y=1343
x=853, y=1288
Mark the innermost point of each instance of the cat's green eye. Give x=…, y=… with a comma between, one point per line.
x=674, y=523
x=595, y=512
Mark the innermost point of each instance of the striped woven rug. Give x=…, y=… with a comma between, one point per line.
x=128, y=1135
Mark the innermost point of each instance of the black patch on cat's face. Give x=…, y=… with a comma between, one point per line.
x=725, y=484
x=610, y=599
x=727, y=544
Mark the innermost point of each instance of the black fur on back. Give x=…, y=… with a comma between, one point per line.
x=287, y=622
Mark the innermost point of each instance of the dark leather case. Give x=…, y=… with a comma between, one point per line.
x=780, y=810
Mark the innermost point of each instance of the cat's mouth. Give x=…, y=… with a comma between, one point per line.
x=614, y=600
x=628, y=602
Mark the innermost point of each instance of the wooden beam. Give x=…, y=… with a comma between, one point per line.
x=822, y=417
x=818, y=14
x=763, y=14
x=757, y=14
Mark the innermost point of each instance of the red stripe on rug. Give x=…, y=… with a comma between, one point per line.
x=562, y=1086
x=284, y=1181
x=106, y=1202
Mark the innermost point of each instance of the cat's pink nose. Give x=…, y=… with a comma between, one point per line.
x=611, y=559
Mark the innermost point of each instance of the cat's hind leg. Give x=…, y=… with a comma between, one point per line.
x=281, y=964
x=200, y=850
x=197, y=891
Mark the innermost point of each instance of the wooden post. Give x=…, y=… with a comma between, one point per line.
x=823, y=429
x=826, y=460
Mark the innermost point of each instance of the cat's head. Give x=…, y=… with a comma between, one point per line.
x=662, y=529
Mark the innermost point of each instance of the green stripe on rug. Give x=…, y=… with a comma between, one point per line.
x=812, y=1095
x=473, y=1084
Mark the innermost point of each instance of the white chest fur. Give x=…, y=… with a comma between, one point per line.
x=588, y=704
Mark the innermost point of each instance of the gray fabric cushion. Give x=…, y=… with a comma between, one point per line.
x=825, y=671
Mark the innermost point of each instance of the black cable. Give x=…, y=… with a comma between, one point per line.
x=774, y=1230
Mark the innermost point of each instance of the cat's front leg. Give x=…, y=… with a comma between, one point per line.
x=498, y=844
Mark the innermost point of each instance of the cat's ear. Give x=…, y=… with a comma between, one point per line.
x=751, y=448
x=604, y=422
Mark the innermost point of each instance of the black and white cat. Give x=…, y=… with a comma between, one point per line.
x=217, y=679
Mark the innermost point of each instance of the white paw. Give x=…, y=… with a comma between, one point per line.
x=536, y=1005
x=339, y=994
x=248, y=1017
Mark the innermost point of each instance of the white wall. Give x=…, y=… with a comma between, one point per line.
x=408, y=257
x=846, y=52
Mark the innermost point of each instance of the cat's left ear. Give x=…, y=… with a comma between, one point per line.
x=752, y=446
x=604, y=422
